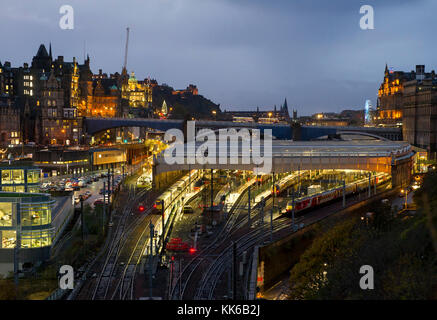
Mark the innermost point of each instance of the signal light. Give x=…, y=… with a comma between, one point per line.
x=192, y=250
x=141, y=208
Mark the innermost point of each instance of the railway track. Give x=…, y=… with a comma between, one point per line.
x=215, y=256
x=222, y=261
x=125, y=285
x=108, y=273
x=194, y=267
x=219, y=265
x=189, y=269
x=116, y=280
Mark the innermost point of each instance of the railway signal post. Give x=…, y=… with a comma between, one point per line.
x=212, y=189
x=152, y=233
x=370, y=184
x=104, y=207
x=344, y=194
x=375, y=185
x=109, y=193
x=162, y=222
x=234, y=272
x=292, y=210
x=81, y=218
x=248, y=207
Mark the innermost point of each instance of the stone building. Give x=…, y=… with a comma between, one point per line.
x=10, y=133
x=420, y=111
x=409, y=99
x=59, y=123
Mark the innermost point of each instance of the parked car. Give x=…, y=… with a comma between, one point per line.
x=98, y=202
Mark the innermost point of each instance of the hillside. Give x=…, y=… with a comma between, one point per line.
x=184, y=106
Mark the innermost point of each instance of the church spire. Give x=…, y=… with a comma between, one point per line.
x=50, y=51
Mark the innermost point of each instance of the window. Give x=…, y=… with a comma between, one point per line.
x=33, y=176
x=6, y=177
x=8, y=238
x=6, y=214
x=35, y=215
x=36, y=239
x=33, y=189
x=13, y=188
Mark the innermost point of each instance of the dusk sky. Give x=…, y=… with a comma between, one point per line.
x=240, y=53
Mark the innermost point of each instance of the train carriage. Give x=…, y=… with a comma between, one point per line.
x=308, y=202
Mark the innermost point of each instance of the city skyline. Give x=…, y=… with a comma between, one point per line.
x=252, y=46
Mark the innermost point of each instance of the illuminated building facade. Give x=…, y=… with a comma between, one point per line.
x=410, y=99
x=59, y=124
x=390, y=96
x=19, y=179
x=26, y=221
x=104, y=100
x=137, y=94
x=99, y=95
x=56, y=161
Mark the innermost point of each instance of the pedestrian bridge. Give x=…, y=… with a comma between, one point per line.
x=391, y=157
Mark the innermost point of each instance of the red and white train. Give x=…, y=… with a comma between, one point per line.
x=314, y=200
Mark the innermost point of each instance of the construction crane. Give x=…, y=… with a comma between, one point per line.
x=125, y=52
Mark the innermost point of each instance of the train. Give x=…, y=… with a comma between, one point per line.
x=175, y=191
x=283, y=184
x=262, y=178
x=314, y=200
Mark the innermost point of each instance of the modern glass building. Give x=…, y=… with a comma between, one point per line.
x=25, y=217
x=27, y=214
x=26, y=224
x=19, y=179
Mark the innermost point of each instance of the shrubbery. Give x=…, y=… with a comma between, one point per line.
x=402, y=252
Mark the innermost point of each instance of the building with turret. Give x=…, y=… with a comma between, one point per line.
x=409, y=99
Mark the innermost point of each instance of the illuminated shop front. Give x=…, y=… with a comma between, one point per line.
x=26, y=223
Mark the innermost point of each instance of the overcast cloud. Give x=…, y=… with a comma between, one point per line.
x=240, y=53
